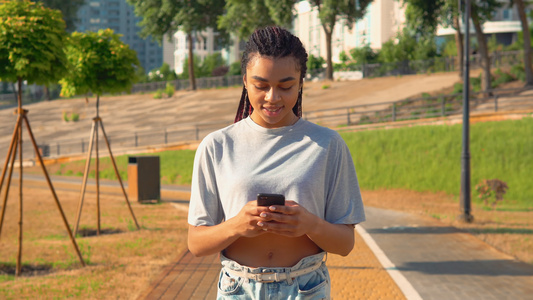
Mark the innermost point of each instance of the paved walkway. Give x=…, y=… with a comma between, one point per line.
x=396, y=256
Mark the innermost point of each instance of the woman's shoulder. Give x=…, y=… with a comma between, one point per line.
x=319, y=131
x=220, y=136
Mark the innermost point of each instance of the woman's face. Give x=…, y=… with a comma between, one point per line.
x=272, y=85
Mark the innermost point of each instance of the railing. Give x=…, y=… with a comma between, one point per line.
x=440, y=64
x=419, y=108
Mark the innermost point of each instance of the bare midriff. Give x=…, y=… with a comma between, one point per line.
x=271, y=250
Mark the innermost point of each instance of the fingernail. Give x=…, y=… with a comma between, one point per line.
x=260, y=224
x=272, y=208
x=263, y=215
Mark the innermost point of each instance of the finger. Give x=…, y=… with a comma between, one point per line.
x=283, y=209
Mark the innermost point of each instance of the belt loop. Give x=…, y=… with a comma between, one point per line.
x=289, y=276
x=246, y=278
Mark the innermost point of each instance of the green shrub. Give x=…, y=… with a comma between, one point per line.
x=325, y=86
x=500, y=78
x=158, y=94
x=518, y=72
x=169, y=89
x=74, y=117
x=475, y=83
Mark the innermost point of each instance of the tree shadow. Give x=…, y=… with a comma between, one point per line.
x=500, y=230
x=89, y=232
x=27, y=270
x=470, y=267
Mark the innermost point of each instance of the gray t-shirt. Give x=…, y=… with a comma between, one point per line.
x=305, y=162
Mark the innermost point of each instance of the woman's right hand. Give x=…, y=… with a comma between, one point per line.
x=245, y=222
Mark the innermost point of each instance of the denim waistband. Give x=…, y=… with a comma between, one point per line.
x=305, y=262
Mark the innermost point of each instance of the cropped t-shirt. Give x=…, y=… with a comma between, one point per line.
x=307, y=163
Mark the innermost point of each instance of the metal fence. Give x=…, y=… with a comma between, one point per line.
x=424, y=107
x=440, y=64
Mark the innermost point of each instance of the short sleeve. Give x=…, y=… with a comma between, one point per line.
x=344, y=204
x=204, y=206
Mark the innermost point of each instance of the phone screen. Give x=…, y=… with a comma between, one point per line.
x=264, y=199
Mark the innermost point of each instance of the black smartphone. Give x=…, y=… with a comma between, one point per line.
x=264, y=199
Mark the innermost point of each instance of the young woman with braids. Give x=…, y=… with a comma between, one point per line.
x=274, y=252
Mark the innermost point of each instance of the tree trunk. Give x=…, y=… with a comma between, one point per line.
x=483, y=50
x=46, y=93
x=527, y=41
x=459, y=45
x=329, y=68
x=19, y=93
x=192, y=79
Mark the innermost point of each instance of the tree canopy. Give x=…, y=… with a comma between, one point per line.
x=99, y=62
x=31, y=43
x=243, y=17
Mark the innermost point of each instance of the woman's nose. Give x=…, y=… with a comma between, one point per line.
x=272, y=95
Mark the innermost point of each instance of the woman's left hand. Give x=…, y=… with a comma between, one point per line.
x=291, y=220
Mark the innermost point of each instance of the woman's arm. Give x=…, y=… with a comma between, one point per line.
x=205, y=240
x=294, y=220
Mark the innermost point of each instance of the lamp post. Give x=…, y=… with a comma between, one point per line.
x=465, y=155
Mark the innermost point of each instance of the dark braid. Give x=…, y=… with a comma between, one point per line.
x=275, y=42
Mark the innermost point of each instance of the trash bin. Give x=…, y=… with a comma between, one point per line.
x=143, y=178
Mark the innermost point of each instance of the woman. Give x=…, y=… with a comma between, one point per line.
x=273, y=252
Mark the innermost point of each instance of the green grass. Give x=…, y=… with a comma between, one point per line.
x=428, y=158
x=175, y=167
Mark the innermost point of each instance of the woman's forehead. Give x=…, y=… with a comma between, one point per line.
x=273, y=65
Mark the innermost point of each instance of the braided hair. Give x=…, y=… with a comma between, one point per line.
x=275, y=42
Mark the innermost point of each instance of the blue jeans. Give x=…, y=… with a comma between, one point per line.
x=314, y=285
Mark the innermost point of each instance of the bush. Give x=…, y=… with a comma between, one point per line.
x=158, y=94
x=235, y=68
x=169, y=90
x=74, y=117
x=501, y=77
x=518, y=72
x=491, y=190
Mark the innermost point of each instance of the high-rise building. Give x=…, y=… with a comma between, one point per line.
x=119, y=16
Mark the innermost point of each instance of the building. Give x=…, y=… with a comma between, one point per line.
x=119, y=16
x=505, y=25
x=384, y=18
x=204, y=43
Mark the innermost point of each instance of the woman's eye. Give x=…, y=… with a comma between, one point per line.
x=261, y=87
x=285, y=88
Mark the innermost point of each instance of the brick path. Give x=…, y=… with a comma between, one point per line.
x=356, y=276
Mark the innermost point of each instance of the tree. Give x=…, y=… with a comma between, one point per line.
x=243, y=17
x=99, y=62
x=528, y=53
x=25, y=53
x=162, y=17
x=31, y=48
x=330, y=12
x=69, y=9
x=481, y=12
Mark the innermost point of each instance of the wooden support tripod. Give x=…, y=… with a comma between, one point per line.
x=16, y=144
x=94, y=139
